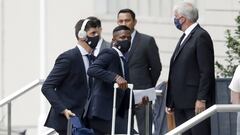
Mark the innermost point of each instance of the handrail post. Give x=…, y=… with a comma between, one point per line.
x=9, y=118
x=147, y=118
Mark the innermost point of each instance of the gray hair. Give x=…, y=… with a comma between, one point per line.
x=187, y=10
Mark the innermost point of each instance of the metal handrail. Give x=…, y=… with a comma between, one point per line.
x=49, y=132
x=204, y=115
x=8, y=100
x=20, y=92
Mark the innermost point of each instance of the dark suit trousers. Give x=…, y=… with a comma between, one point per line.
x=61, y=132
x=182, y=115
x=140, y=113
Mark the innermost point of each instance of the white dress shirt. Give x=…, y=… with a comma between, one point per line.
x=120, y=55
x=98, y=47
x=235, y=83
x=188, y=31
x=85, y=58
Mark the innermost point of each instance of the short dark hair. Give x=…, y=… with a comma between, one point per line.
x=78, y=26
x=97, y=21
x=120, y=27
x=127, y=10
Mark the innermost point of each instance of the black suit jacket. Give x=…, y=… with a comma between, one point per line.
x=104, y=70
x=191, y=74
x=66, y=88
x=144, y=62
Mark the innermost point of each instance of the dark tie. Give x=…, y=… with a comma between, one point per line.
x=125, y=66
x=91, y=58
x=126, y=55
x=178, y=45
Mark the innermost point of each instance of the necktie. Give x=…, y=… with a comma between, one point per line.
x=125, y=66
x=126, y=55
x=178, y=45
x=91, y=58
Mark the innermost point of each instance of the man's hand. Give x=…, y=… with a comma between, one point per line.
x=122, y=83
x=199, y=106
x=85, y=45
x=169, y=110
x=144, y=102
x=68, y=113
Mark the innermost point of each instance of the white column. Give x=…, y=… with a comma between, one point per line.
x=2, y=44
x=42, y=30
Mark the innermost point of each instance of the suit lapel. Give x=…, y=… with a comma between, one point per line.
x=184, y=43
x=104, y=45
x=118, y=61
x=81, y=63
x=134, y=45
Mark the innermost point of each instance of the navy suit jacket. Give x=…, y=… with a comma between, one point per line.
x=144, y=62
x=104, y=70
x=66, y=88
x=191, y=75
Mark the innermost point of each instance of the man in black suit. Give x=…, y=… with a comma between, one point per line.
x=143, y=62
x=109, y=68
x=67, y=85
x=191, y=83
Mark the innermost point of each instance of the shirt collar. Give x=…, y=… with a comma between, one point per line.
x=97, y=49
x=190, y=28
x=82, y=50
x=133, y=35
x=118, y=51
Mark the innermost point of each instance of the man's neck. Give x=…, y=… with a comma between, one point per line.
x=187, y=25
x=132, y=31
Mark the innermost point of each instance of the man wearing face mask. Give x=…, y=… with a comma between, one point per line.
x=67, y=86
x=144, y=66
x=108, y=68
x=101, y=44
x=191, y=82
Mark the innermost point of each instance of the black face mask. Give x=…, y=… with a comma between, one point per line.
x=123, y=46
x=92, y=41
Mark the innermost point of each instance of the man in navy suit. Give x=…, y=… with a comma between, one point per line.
x=110, y=67
x=144, y=65
x=67, y=85
x=191, y=82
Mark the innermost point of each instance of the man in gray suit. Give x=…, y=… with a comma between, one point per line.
x=102, y=44
x=143, y=62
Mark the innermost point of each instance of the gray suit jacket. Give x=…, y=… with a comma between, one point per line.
x=104, y=45
x=144, y=62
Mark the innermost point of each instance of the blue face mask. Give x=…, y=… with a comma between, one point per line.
x=177, y=23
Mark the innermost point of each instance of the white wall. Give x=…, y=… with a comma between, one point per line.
x=19, y=58
x=215, y=16
x=19, y=64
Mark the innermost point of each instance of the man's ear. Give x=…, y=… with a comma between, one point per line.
x=100, y=28
x=135, y=22
x=182, y=20
x=113, y=41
